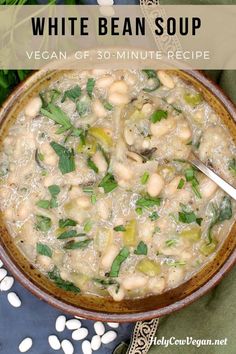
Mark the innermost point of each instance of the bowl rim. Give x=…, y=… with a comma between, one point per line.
x=124, y=317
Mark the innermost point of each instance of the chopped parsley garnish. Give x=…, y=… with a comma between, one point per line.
x=105, y=282
x=151, y=74
x=72, y=245
x=92, y=165
x=73, y=94
x=43, y=250
x=68, y=234
x=66, y=158
x=108, y=183
x=120, y=258
x=181, y=184
x=63, y=284
x=153, y=216
x=66, y=222
x=56, y=114
x=119, y=228
x=82, y=106
x=188, y=217
x=158, y=115
x=145, y=178
x=43, y=223
x=171, y=242
x=49, y=204
x=190, y=175
x=148, y=202
x=141, y=249
x=108, y=106
x=90, y=86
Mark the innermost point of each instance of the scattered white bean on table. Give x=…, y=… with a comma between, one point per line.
x=25, y=345
x=60, y=323
x=67, y=347
x=14, y=299
x=6, y=283
x=109, y=337
x=3, y=273
x=113, y=324
x=86, y=347
x=73, y=324
x=80, y=333
x=96, y=342
x=99, y=328
x=54, y=342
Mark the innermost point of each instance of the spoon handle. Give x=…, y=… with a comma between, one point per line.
x=214, y=177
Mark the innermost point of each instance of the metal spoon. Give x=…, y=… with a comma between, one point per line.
x=213, y=176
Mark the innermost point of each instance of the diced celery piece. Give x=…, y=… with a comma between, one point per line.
x=149, y=267
x=192, y=234
x=88, y=148
x=130, y=234
x=207, y=248
x=193, y=99
x=101, y=134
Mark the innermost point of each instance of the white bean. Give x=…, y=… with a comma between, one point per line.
x=109, y=256
x=86, y=347
x=33, y=107
x=67, y=347
x=147, y=109
x=156, y=285
x=117, y=295
x=129, y=136
x=163, y=127
x=73, y=324
x=3, y=273
x=54, y=342
x=184, y=132
x=113, y=324
x=60, y=323
x=83, y=202
x=165, y=79
x=80, y=333
x=109, y=337
x=207, y=188
x=118, y=87
x=99, y=328
x=175, y=276
x=155, y=184
x=104, y=82
x=100, y=161
x=132, y=282
x=122, y=171
x=25, y=345
x=134, y=157
x=96, y=342
x=14, y=299
x=6, y=283
x=99, y=110
x=118, y=99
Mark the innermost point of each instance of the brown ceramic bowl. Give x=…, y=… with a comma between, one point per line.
x=93, y=307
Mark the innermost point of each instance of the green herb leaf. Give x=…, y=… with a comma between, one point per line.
x=92, y=165
x=108, y=106
x=171, y=242
x=153, y=216
x=56, y=114
x=90, y=86
x=148, y=202
x=66, y=222
x=66, y=158
x=44, y=204
x=188, y=217
x=93, y=199
x=225, y=209
x=108, y=183
x=158, y=115
x=43, y=250
x=145, y=178
x=43, y=223
x=181, y=184
x=119, y=228
x=120, y=258
x=82, y=107
x=54, y=190
x=88, y=226
x=73, y=94
x=141, y=249
x=63, y=284
x=72, y=245
x=151, y=74
x=105, y=282
x=232, y=166
x=67, y=234
x=190, y=176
